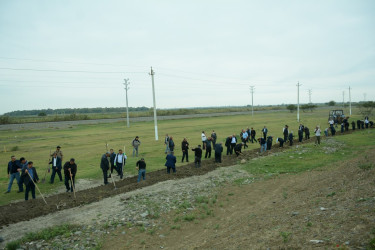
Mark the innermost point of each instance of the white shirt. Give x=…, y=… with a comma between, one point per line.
x=204, y=138
x=331, y=122
x=317, y=132
x=54, y=162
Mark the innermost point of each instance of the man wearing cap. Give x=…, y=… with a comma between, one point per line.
x=70, y=170
x=104, y=165
x=30, y=177
x=58, y=152
x=14, y=173
x=141, y=166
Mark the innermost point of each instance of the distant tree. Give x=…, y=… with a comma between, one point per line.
x=42, y=114
x=291, y=108
x=366, y=108
x=306, y=107
x=331, y=103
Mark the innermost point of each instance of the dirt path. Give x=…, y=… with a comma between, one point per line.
x=330, y=207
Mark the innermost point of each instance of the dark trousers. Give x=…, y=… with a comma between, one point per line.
x=208, y=152
x=169, y=169
x=291, y=142
x=68, y=184
x=269, y=145
x=30, y=187
x=253, y=139
x=307, y=136
x=105, y=176
x=228, y=150
x=281, y=144
x=197, y=162
x=218, y=157
x=300, y=137
x=54, y=171
x=232, y=145
x=113, y=167
x=185, y=153
x=244, y=141
x=265, y=136
x=285, y=138
x=119, y=169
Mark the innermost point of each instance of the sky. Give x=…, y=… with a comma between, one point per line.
x=76, y=54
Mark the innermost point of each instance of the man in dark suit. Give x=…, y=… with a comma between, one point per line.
x=218, y=151
x=70, y=170
x=56, y=167
x=171, y=162
x=30, y=177
x=104, y=165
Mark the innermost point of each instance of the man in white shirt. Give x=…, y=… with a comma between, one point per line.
x=120, y=160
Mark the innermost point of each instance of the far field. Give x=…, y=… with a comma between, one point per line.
x=86, y=143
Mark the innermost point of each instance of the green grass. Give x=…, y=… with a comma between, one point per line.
x=86, y=143
x=44, y=234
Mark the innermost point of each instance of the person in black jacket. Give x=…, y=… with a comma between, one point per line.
x=290, y=137
x=112, y=157
x=171, y=144
x=218, y=151
x=141, y=167
x=208, y=147
x=70, y=170
x=227, y=144
x=104, y=165
x=214, y=138
x=238, y=148
x=198, y=156
x=286, y=133
x=269, y=142
x=307, y=133
x=30, y=177
x=281, y=141
x=13, y=170
x=56, y=167
x=301, y=128
x=253, y=133
x=353, y=125
x=185, y=150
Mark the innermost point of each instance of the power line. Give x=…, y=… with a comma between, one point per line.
x=71, y=71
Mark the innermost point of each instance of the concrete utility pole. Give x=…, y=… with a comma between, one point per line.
x=126, y=83
x=364, y=97
x=350, y=102
x=343, y=99
x=252, y=100
x=309, y=96
x=298, y=100
x=153, y=94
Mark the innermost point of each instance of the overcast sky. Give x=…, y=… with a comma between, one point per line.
x=72, y=54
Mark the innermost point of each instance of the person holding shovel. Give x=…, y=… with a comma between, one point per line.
x=70, y=170
x=104, y=165
x=30, y=177
x=120, y=160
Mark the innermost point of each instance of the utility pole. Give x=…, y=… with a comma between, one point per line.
x=364, y=97
x=298, y=101
x=153, y=94
x=350, y=102
x=309, y=96
x=343, y=99
x=252, y=100
x=126, y=83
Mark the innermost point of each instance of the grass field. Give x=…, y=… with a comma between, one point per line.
x=86, y=143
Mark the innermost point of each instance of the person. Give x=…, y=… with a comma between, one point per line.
x=371, y=124
x=104, y=165
x=23, y=165
x=141, y=166
x=171, y=144
x=331, y=122
x=307, y=133
x=58, y=152
x=333, y=131
x=218, y=151
x=317, y=132
x=269, y=142
x=245, y=136
x=70, y=170
x=166, y=142
x=326, y=132
x=263, y=144
x=112, y=157
x=252, y=134
x=198, y=156
x=248, y=134
x=120, y=160
x=30, y=177
x=171, y=162
x=290, y=138
x=214, y=138
x=14, y=173
x=285, y=133
x=185, y=150
x=265, y=131
x=135, y=144
x=353, y=125
x=227, y=144
x=300, y=132
x=233, y=143
x=366, y=121
x=237, y=148
x=359, y=124
x=208, y=148
x=362, y=124
x=56, y=167
x=281, y=141
x=204, y=139
x=346, y=123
